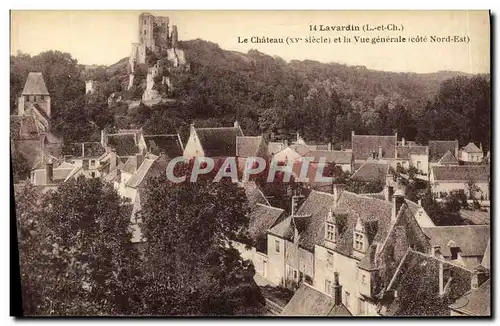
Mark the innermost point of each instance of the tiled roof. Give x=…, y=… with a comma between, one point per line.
x=35, y=85
x=218, y=141
x=472, y=239
x=364, y=145
x=448, y=158
x=124, y=144
x=475, y=216
x=416, y=281
x=170, y=145
x=152, y=165
x=248, y=146
x=422, y=219
x=275, y=147
x=301, y=149
x=84, y=150
x=339, y=157
x=437, y=148
x=307, y=301
x=475, y=302
x=254, y=194
x=313, y=213
x=261, y=218
x=371, y=172
x=476, y=173
x=472, y=148
x=59, y=175
x=406, y=151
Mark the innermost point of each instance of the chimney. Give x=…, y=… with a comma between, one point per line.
x=338, y=189
x=236, y=124
x=337, y=289
x=20, y=105
x=456, y=148
x=298, y=137
x=49, y=172
x=373, y=251
x=481, y=146
x=379, y=152
x=389, y=193
x=140, y=159
x=112, y=160
x=83, y=149
x=104, y=138
x=441, y=278
x=396, y=206
x=285, y=142
x=352, y=135
x=396, y=152
x=329, y=146
x=47, y=105
x=342, y=147
x=191, y=128
x=436, y=251
x=403, y=141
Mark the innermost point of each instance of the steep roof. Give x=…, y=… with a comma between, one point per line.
x=254, y=194
x=472, y=148
x=248, y=146
x=448, y=158
x=416, y=281
x=437, y=148
x=84, y=150
x=219, y=141
x=171, y=145
x=312, y=215
x=35, y=85
x=152, y=165
x=371, y=172
x=261, y=218
x=124, y=144
x=275, y=147
x=422, y=219
x=58, y=175
x=339, y=157
x=406, y=151
x=476, y=173
x=475, y=302
x=307, y=301
x=472, y=239
x=301, y=149
x=364, y=145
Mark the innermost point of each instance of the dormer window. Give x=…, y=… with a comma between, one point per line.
x=359, y=241
x=331, y=227
x=454, y=252
x=330, y=232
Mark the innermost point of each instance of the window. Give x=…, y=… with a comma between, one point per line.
x=92, y=162
x=329, y=259
x=454, y=253
x=361, y=306
x=295, y=276
x=328, y=287
x=26, y=98
x=419, y=164
x=363, y=279
x=145, y=32
x=92, y=174
x=277, y=245
x=145, y=22
x=330, y=232
x=358, y=241
x=347, y=299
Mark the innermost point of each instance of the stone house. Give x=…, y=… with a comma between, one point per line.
x=361, y=238
x=87, y=155
x=446, y=179
x=250, y=146
x=438, y=148
x=471, y=153
x=413, y=156
x=373, y=147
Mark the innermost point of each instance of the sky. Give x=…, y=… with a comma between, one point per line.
x=104, y=37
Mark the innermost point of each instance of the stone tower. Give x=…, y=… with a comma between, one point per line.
x=175, y=36
x=35, y=94
x=146, y=24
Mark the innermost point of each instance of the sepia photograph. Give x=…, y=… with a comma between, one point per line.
x=323, y=163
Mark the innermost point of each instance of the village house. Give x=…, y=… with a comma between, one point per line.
x=410, y=155
x=361, y=238
x=168, y=144
x=126, y=142
x=473, y=180
x=249, y=147
x=86, y=155
x=472, y=153
x=440, y=148
x=373, y=147
x=216, y=143
x=477, y=301
x=373, y=171
x=50, y=176
x=463, y=245
x=274, y=147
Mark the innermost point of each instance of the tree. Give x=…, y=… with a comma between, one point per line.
x=76, y=257
x=20, y=167
x=190, y=265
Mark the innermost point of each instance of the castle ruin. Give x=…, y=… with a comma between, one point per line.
x=157, y=53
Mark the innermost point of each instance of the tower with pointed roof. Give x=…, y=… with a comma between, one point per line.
x=34, y=96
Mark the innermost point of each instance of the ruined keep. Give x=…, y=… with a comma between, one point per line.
x=157, y=54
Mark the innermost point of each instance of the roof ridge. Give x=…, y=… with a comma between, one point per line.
x=455, y=226
x=269, y=206
x=441, y=260
x=206, y=128
x=156, y=135
x=374, y=135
